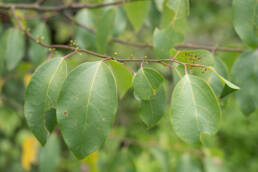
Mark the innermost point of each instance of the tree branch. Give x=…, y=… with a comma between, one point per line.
x=72, y=6
x=145, y=45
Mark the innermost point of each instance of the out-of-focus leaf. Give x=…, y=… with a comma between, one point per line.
x=181, y=8
x=164, y=40
x=15, y=48
x=163, y=158
x=37, y=53
x=9, y=121
x=49, y=155
x=29, y=152
x=42, y=93
x=27, y=79
x=104, y=29
x=152, y=110
x=194, y=109
x=123, y=77
x=245, y=74
x=146, y=82
x=3, y=43
x=87, y=106
x=120, y=21
x=245, y=19
x=85, y=38
x=137, y=12
x=186, y=163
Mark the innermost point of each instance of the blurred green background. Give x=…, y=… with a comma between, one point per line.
x=131, y=146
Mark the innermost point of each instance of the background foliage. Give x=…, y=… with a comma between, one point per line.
x=134, y=143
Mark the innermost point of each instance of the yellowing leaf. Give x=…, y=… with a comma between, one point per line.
x=91, y=161
x=29, y=152
x=27, y=78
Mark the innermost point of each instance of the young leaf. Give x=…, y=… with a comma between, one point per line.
x=245, y=21
x=245, y=74
x=136, y=12
x=164, y=40
x=104, y=29
x=42, y=93
x=152, y=110
x=123, y=77
x=87, y=106
x=15, y=48
x=181, y=8
x=146, y=82
x=194, y=109
x=37, y=53
x=49, y=155
x=85, y=38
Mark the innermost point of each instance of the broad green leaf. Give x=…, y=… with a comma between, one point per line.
x=146, y=82
x=51, y=120
x=167, y=17
x=104, y=29
x=152, y=110
x=83, y=37
x=245, y=74
x=137, y=12
x=229, y=87
x=187, y=163
x=214, y=164
x=49, y=155
x=245, y=19
x=164, y=40
x=37, y=53
x=15, y=48
x=123, y=77
x=87, y=106
x=194, y=109
x=41, y=95
x=181, y=8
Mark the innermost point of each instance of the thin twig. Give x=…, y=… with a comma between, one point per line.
x=145, y=45
x=72, y=6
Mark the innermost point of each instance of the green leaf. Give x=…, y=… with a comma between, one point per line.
x=245, y=19
x=137, y=12
x=49, y=155
x=104, y=29
x=15, y=48
x=146, y=82
x=152, y=110
x=194, y=109
x=245, y=74
x=51, y=120
x=181, y=8
x=164, y=40
x=187, y=163
x=3, y=44
x=87, y=106
x=37, y=53
x=229, y=86
x=42, y=93
x=214, y=81
x=202, y=57
x=123, y=77
x=120, y=21
x=84, y=38
x=163, y=158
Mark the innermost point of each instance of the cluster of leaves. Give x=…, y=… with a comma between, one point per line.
x=83, y=101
